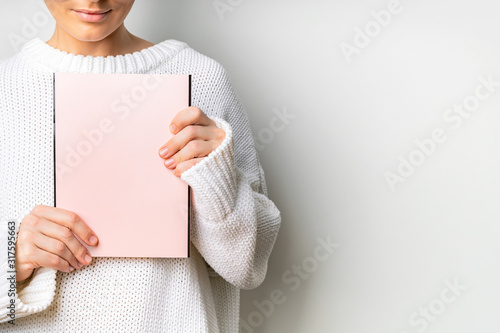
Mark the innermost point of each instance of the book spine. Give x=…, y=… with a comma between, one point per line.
x=54, y=129
x=189, y=187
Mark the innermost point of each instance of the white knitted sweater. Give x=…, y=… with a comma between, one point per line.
x=234, y=224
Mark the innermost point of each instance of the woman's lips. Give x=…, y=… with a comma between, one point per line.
x=91, y=16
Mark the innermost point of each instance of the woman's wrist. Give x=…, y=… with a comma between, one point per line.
x=214, y=178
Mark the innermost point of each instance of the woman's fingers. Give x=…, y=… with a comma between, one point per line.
x=185, y=166
x=55, y=239
x=50, y=260
x=190, y=116
x=65, y=235
x=55, y=247
x=187, y=134
x=47, y=237
x=193, y=149
x=195, y=137
x=33, y=256
x=69, y=220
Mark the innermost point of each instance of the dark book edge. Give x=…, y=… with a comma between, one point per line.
x=54, y=129
x=189, y=188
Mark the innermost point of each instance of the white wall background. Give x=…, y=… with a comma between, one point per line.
x=400, y=252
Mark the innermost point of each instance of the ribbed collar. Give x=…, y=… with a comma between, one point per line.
x=138, y=62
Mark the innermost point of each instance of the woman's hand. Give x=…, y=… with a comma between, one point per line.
x=195, y=136
x=46, y=238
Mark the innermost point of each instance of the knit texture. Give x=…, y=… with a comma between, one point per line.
x=234, y=224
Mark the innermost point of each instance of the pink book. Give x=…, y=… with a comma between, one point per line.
x=108, y=129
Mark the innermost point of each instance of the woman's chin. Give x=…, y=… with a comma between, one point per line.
x=91, y=36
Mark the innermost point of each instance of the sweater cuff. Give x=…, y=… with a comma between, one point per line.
x=214, y=178
x=19, y=299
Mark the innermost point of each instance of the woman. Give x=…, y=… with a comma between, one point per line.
x=234, y=225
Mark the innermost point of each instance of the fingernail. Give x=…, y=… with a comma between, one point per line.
x=173, y=128
x=169, y=162
x=70, y=269
x=92, y=240
x=79, y=265
x=88, y=258
x=164, y=151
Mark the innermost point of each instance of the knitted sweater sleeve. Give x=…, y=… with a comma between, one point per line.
x=20, y=299
x=234, y=223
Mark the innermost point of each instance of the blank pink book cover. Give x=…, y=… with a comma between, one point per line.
x=108, y=129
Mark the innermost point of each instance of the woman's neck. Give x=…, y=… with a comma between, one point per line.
x=120, y=42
